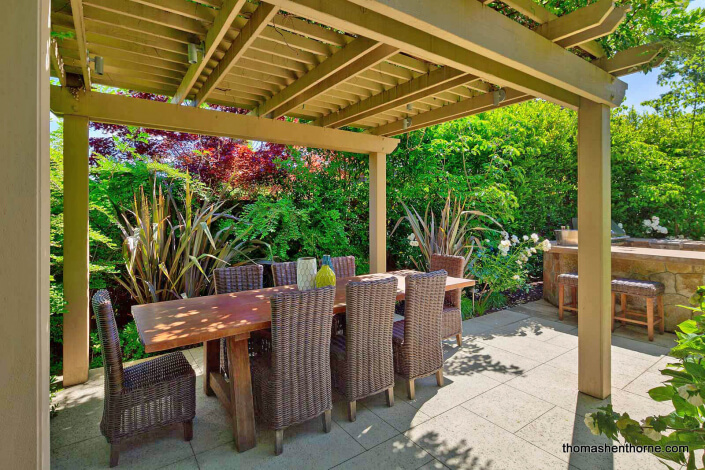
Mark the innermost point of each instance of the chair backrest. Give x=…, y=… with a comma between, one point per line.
x=343, y=266
x=301, y=324
x=109, y=342
x=422, y=326
x=455, y=267
x=284, y=274
x=369, y=319
x=238, y=278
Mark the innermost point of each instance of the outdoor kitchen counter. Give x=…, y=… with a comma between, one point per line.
x=681, y=271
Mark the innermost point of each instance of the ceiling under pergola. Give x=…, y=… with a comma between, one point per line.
x=260, y=57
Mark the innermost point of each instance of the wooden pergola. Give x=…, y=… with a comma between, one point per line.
x=378, y=67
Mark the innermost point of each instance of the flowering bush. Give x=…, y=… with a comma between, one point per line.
x=653, y=226
x=503, y=267
x=685, y=388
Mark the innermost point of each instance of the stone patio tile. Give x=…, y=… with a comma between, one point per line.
x=541, y=307
x=558, y=427
x=433, y=400
x=645, y=382
x=639, y=333
x=640, y=346
x=402, y=416
x=529, y=348
x=508, y=407
x=625, y=368
x=155, y=449
x=398, y=453
x=566, y=340
x=489, y=361
x=497, y=319
x=551, y=384
x=462, y=439
x=662, y=364
x=78, y=417
x=433, y=465
x=473, y=327
x=306, y=447
x=368, y=429
x=186, y=464
x=535, y=327
x=211, y=430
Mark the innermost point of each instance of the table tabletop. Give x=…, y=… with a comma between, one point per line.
x=183, y=322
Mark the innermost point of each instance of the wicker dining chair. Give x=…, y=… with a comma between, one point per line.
x=452, y=315
x=238, y=279
x=145, y=396
x=343, y=266
x=416, y=340
x=292, y=383
x=361, y=360
x=284, y=274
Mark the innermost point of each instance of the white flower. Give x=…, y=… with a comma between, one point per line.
x=515, y=239
x=525, y=237
x=535, y=237
x=533, y=250
x=516, y=277
x=519, y=262
x=647, y=223
x=648, y=230
x=652, y=434
x=505, y=235
x=664, y=230
x=620, y=225
x=414, y=243
x=546, y=245
x=411, y=237
x=656, y=220
x=592, y=424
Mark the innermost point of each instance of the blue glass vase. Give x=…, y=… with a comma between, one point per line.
x=326, y=261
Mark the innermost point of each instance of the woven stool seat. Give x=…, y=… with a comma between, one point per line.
x=568, y=279
x=638, y=287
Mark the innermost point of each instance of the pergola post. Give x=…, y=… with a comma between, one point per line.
x=76, y=317
x=24, y=233
x=594, y=255
x=378, y=212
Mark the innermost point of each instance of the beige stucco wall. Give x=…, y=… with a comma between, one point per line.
x=24, y=234
x=680, y=280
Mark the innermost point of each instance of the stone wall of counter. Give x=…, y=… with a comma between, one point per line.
x=680, y=278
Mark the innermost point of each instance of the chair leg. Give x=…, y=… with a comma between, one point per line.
x=662, y=325
x=410, y=389
x=459, y=339
x=278, y=441
x=614, y=306
x=561, y=300
x=188, y=430
x=326, y=420
x=650, y=317
x=390, y=396
x=352, y=411
x=623, y=300
x=439, y=377
x=574, y=295
x=114, y=454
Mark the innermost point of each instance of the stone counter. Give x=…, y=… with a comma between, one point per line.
x=681, y=271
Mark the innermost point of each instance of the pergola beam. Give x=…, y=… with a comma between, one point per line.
x=123, y=110
x=608, y=26
x=57, y=62
x=450, y=112
x=407, y=92
x=79, y=27
x=577, y=21
x=258, y=21
x=215, y=35
x=343, y=64
x=629, y=60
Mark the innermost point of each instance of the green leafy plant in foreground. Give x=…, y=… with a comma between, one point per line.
x=684, y=388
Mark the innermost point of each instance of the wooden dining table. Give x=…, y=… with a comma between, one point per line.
x=177, y=323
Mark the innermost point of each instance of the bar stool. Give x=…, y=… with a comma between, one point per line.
x=650, y=290
x=567, y=280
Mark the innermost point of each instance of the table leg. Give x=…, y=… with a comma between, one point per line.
x=242, y=406
x=211, y=363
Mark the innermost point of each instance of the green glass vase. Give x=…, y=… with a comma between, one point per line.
x=325, y=277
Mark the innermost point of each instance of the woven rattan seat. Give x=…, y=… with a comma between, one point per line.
x=637, y=287
x=361, y=361
x=568, y=279
x=143, y=397
x=452, y=315
x=290, y=386
x=419, y=352
x=238, y=279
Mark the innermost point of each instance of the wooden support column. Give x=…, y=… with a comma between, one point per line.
x=24, y=234
x=76, y=318
x=594, y=255
x=378, y=212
